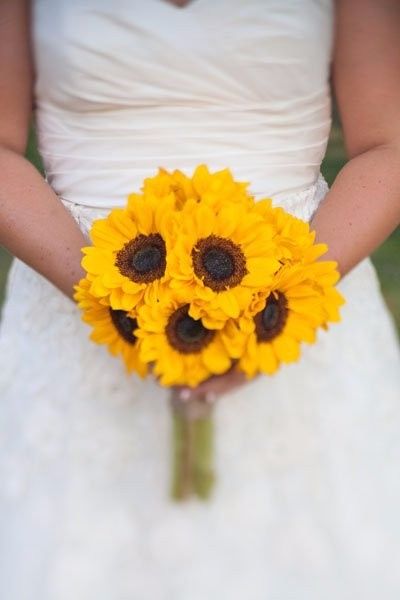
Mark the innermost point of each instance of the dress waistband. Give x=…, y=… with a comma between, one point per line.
x=301, y=204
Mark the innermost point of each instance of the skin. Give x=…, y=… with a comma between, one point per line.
x=34, y=225
x=359, y=212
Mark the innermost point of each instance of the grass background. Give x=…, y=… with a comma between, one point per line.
x=386, y=258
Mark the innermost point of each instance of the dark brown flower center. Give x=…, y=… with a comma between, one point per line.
x=218, y=262
x=271, y=320
x=124, y=324
x=185, y=334
x=143, y=259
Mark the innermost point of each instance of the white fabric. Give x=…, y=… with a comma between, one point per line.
x=306, y=503
x=124, y=87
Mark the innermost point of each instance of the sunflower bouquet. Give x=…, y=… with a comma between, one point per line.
x=193, y=278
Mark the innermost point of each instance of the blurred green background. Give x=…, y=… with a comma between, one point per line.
x=386, y=258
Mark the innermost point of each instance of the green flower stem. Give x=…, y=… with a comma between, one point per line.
x=203, y=456
x=192, y=431
x=182, y=484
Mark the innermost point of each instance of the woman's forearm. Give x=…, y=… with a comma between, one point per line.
x=35, y=226
x=362, y=208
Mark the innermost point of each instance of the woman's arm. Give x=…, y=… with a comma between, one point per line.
x=34, y=225
x=363, y=205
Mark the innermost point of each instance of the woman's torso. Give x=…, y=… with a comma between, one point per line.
x=125, y=87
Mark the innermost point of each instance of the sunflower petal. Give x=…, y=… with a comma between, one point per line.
x=229, y=304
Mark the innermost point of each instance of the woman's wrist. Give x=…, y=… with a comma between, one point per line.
x=361, y=209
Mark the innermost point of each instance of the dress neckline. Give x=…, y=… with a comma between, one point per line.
x=174, y=6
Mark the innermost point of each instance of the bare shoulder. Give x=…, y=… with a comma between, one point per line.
x=15, y=73
x=366, y=71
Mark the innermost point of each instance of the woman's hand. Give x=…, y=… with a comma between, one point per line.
x=214, y=386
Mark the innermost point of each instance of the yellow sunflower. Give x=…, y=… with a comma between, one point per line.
x=222, y=255
x=216, y=189
x=129, y=256
x=165, y=183
x=212, y=189
x=301, y=299
x=293, y=236
x=114, y=328
x=181, y=349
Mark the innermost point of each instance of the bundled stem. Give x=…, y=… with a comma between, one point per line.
x=193, y=451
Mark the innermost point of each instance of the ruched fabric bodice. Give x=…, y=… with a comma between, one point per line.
x=127, y=86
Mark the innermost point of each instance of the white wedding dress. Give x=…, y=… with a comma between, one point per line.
x=307, y=500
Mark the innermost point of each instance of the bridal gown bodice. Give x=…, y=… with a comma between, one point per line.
x=307, y=492
x=127, y=86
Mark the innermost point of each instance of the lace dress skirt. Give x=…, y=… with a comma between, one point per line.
x=308, y=491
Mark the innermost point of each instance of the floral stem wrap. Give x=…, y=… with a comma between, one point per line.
x=192, y=432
